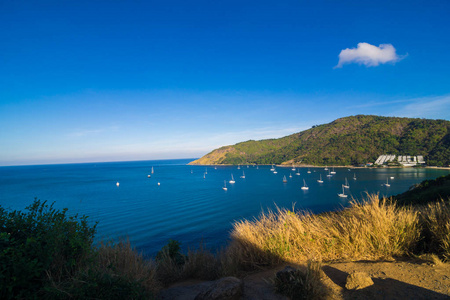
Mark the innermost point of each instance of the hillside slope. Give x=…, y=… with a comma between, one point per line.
x=345, y=141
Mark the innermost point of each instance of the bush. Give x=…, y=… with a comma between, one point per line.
x=41, y=242
x=297, y=284
x=370, y=230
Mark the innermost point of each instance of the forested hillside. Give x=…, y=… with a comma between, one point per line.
x=346, y=141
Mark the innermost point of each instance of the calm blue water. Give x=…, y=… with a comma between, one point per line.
x=186, y=206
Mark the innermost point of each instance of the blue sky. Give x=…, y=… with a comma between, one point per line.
x=88, y=81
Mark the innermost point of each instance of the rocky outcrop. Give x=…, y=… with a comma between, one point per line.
x=358, y=280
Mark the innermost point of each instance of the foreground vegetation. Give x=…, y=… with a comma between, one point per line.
x=44, y=253
x=346, y=141
x=370, y=230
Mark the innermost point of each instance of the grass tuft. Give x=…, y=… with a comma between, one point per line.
x=372, y=229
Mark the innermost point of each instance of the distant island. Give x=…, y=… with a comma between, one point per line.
x=355, y=140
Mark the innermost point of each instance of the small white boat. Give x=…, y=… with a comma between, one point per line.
x=298, y=173
x=284, y=179
x=392, y=177
x=333, y=172
x=304, y=187
x=275, y=172
x=149, y=175
x=354, y=176
x=239, y=167
x=326, y=168
x=224, y=185
x=320, y=179
x=117, y=183
x=387, y=182
x=152, y=171
x=290, y=175
x=346, y=185
x=206, y=170
x=293, y=168
x=159, y=183
x=232, y=179
x=329, y=174
x=204, y=175
x=343, y=195
x=309, y=171
x=243, y=174
x=272, y=169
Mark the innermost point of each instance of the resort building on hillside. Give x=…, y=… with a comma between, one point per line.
x=406, y=161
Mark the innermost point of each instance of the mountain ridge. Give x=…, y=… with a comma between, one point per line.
x=351, y=140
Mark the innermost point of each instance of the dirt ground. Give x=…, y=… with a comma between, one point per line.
x=412, y=279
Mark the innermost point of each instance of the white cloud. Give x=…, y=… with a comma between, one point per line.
x=429, y=107
x=368, y=55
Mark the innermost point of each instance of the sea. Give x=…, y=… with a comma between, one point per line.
x=188, y=203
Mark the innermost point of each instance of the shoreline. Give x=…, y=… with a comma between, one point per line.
x=313, y=166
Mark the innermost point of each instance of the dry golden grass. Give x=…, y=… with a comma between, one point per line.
x=201, y=264
x=436, y=223
x=303, y=284
x=123, y=260
x=372, y=230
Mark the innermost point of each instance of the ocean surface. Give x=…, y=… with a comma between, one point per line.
x=188, y=204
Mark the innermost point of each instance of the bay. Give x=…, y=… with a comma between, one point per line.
x=189, y=205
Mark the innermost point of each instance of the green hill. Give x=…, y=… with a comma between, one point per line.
x=425, y=192
x=346, y=141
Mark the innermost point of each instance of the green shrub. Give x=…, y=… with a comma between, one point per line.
x=39, y=243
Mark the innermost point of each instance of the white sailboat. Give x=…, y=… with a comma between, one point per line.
x=387, y=182
x=239, y=167
x=152, y=171
x=320, y=179
x=273, y=168
x=293, y=168
x=206, y=170
x=284, y=179
x=232, y=179
x=305, y=187
x=243, y=174
x=346, y=185
x=224, y=185
x=309, y=171
x=329, y=174
x=298, y=173
x=204, y=175
x=392, y=177
x=333, y=172
x=343, y=195
x=326, y=168
x=354, y=176
x=290, y=175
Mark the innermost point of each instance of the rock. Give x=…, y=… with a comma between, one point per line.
x=287, y=275
x=227, y=288
x=358, y=280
